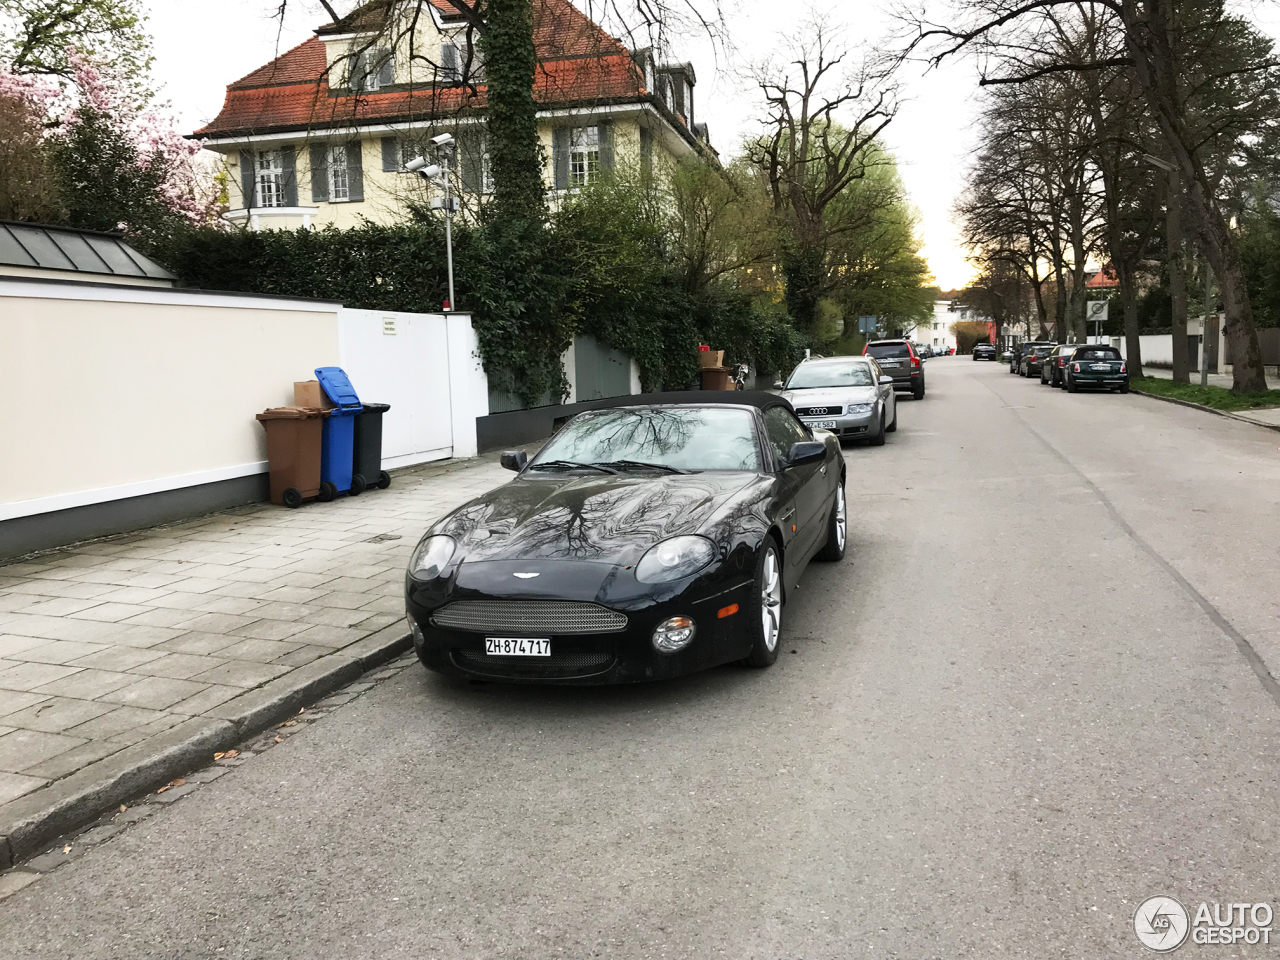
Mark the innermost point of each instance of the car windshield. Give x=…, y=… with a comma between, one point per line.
x=850, y=373
x=681, y=438
x=1042, y=351
x=890, y=350
x=1098, y=353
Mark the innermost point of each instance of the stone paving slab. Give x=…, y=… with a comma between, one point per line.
x=112, y=644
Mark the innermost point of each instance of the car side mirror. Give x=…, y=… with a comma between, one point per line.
x=779, y=385
x=514, y=459
x=806, y=451
x=885, y=379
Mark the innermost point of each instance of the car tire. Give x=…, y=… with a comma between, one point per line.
x=918, y=392
x=893, y=427
x=1072, y=387
x=1124, y=388
x=837, y=529
x=878, y=439
x=765, y=607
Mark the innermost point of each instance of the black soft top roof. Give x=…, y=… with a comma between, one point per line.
x=742, y=398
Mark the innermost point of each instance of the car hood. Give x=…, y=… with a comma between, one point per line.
x=604, y=518
x=829, y=396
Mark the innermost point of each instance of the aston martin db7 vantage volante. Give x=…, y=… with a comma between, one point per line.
x=646, y=539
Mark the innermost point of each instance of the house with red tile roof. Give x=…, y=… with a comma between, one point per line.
x=321, y=134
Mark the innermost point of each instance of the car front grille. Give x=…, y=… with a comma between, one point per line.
x=819, y=411
x=557, y=666
x=528, y=617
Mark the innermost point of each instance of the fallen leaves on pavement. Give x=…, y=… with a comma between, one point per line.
x=172, y=783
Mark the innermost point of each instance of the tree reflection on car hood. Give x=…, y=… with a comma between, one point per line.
x=614, y=518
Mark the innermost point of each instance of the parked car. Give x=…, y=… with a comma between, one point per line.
x=1006, y=355
x=898, y=359
x=1020, y=350
x=645, y=540
x=1033, y=358
x=1096, y=365
x=984, y=351
x=849, y=396
x=1053, y=363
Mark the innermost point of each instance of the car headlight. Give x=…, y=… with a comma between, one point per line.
x=675, y=558
x=857, y=408
x=431, y=557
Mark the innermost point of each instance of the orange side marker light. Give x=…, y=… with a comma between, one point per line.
x=728, y=611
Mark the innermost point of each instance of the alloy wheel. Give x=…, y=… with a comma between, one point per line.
x=771, y=600
x=841, y=531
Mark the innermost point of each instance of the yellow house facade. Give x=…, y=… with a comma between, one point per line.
x=321, y=135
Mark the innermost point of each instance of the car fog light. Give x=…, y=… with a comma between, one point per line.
x=673, y=634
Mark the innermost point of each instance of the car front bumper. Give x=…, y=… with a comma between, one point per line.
x=624, y=656
x=847, y=426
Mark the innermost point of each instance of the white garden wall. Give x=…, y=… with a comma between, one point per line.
x=124, y=392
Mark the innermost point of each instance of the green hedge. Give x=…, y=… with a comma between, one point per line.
x=529, y=288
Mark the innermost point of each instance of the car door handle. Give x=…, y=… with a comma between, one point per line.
x=823, y=471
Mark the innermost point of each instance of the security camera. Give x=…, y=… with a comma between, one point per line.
x=442, y=139
x=416, y=164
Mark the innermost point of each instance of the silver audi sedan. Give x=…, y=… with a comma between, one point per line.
x=850, y=396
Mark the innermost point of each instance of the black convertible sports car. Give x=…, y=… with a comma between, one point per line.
x=647, y=539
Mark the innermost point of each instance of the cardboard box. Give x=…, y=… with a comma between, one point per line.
x=711, y=358
x=307, y=393
x=716, y=378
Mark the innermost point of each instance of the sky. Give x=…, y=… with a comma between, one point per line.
x=198, y=54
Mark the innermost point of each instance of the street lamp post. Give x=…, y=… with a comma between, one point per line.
x=445, y=150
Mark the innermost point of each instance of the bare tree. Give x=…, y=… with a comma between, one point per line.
x=1166, y=44
x=823, y=118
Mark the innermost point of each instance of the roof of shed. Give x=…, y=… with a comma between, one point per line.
x=77, y=251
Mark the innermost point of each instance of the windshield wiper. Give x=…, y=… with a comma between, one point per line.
x=652, y=466
x=574, y=465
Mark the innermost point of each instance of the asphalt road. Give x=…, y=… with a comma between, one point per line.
x=983, y=739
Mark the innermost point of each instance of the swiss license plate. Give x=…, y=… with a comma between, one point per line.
x=1104, y=367
x=516, y=647
x=822, y=424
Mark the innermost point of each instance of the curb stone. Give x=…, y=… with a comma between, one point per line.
x=1200, y=406
x=29, y=823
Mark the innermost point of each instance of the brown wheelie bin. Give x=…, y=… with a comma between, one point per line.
x=293, y=453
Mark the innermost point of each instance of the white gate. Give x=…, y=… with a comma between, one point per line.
x=425, y=366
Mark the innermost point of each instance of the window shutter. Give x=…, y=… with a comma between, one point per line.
x=248, y=178
x=386, y=69
x=449, y=62
x=469, y=161
x=319, y=173
x=604, y=137
x=355, y=172
x=560, y=156
x=646, y=151
x=390, y=155
x=289, y=160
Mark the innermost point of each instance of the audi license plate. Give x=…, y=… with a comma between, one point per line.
x=516, y=647
x=821, y=424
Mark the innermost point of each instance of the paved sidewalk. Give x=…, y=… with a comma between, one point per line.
x=108, y=643
x=1215, y=379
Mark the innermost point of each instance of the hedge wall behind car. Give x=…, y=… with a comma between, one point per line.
x=529, y=289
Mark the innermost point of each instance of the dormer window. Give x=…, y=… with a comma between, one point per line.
x=688, y=102
x=371, y=70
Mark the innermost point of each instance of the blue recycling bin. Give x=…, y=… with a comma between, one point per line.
x=337, y=439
